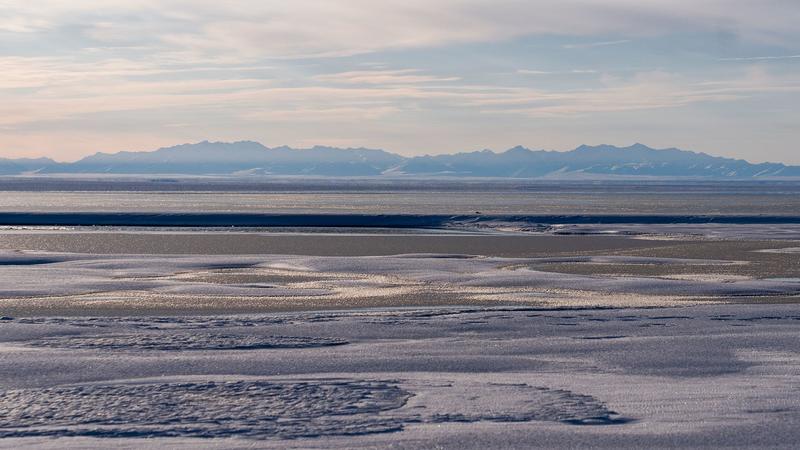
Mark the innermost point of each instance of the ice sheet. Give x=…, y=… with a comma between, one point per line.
x=713, y=375
x=29, y=275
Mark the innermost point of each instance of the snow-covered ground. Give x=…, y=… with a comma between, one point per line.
x=717, y=375
x=42, y=282
x=424, y=350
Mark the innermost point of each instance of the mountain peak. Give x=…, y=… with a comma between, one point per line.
x=252, y=158
x=518, y=149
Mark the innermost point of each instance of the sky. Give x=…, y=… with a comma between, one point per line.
x=409, y=76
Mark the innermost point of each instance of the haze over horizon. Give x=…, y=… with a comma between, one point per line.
x=250, y=158
x=403, y=154
x=411, y=77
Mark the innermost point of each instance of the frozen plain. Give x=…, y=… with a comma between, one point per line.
x=516, y=377
x=634, y=347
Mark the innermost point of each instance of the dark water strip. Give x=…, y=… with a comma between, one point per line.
x=362, y=220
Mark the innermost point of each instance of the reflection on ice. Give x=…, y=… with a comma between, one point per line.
x=98, y=278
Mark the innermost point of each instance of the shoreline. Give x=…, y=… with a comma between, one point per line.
x=353, y=220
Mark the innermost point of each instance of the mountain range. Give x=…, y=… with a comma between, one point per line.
x=247, y=158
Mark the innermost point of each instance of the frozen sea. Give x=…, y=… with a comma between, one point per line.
x=403, y=196
x=492, y=315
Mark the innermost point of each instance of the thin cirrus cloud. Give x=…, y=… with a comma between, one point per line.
x=382, y=77
x=598, y=44
x=550, y=72
x=85, y=71
x=761, y=58
x=305, y=28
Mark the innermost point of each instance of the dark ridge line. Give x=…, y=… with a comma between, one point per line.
x=143, y=219
x=371, y=184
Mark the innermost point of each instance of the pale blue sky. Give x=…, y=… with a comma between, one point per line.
x=412, y=76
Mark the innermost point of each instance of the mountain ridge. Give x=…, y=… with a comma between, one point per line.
x=250, y=158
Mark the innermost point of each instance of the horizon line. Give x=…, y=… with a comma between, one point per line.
x=401, y=154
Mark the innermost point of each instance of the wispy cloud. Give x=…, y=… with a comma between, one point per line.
x=645, y=91
x=385, y=77
x=18, y=24
x=356, y=95
x=761, y=58
x=81, y=73
x=320, y=28
x=597, y=44
x=557, y=72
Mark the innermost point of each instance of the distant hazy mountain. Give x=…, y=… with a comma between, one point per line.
x=237, y=158
x=597, y=161
x=251, y=158
x=25, y=165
